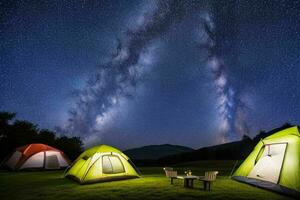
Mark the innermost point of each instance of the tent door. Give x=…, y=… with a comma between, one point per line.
x=52, y=162
x=112, y=164
x=14, y=159
x=269, y=165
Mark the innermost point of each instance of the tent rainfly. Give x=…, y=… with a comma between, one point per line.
x=274, y=163
x=101, y=163
x=36, y=156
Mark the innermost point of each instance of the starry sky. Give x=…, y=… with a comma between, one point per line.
x=133, y=73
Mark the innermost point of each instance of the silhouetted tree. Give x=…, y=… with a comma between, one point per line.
x=5, y=119
x=71, y=146
x=21, y=133
x=246, y=138
x=286, y=125
x=262, y=134
x=47, y=137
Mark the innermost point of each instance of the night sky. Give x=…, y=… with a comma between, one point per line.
x=133, y=73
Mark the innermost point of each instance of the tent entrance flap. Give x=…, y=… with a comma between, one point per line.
x=52, y=162
x=269, y=165
x=106, y=164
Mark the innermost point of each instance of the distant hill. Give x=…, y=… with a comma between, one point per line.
x=173, y=154
x=230, y=151
x=154, y=152
x=238, y=150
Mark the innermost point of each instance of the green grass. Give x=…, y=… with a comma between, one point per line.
x=152, y=185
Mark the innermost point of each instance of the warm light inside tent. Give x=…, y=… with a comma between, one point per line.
x=274, y=163
x=101, y=163
x=268, y=167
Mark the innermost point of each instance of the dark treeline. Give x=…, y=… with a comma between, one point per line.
x=16, y=133
x=237, y=150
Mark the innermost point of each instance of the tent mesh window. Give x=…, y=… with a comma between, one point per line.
x=112, y=165
x=52, y=162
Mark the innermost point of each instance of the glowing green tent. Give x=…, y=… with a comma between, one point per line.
x=101, y=163
x=274, y=163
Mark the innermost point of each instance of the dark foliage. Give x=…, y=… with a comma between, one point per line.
x=17, y=133
x=230, y=151
x=238, y=150
x=262, y=134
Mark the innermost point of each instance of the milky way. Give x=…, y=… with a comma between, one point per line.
x=232, y=110
x=118, y=79
x=192, y=73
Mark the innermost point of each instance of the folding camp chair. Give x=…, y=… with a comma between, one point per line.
x=170, y=173
x=208, y=179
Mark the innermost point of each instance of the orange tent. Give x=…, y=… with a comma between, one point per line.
x=37, y=156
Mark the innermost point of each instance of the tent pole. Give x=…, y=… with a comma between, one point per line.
x=138, y=171
x=236, y=162
x=44, y=160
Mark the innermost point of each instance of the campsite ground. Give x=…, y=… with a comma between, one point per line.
x=152, y=185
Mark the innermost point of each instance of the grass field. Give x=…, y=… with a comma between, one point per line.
x=51, y=185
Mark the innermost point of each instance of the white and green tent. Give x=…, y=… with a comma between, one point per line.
x=101, y=163
x=274, y=163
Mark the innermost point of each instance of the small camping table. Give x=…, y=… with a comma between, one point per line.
x=188, y=181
